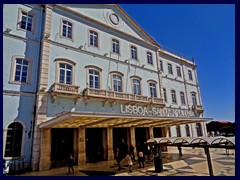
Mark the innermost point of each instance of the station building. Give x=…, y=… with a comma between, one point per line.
x=86, y=79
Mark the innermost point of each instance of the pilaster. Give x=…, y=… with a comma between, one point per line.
x=45, y=153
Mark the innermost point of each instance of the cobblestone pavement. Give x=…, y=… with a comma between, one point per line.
x=192, y=163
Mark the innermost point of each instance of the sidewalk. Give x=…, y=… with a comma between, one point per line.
x=192, y=163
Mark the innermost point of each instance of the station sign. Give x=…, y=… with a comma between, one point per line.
x=157, y=112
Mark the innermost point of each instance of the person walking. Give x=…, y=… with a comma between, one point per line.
x=141, y=158
x=70, y=164
x=130, y=162
x=118, y=158
x=131, y=152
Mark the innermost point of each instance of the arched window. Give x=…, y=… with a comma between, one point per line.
x=117, y=81
x=149, y=58
x=65, y=71
x=194, y=99
x=199, y=129
x=152, y=88
x=136, y=86
x=187, y=130
x=94, y=76
x=178, y=129
x=190, y=75
x=14, y=140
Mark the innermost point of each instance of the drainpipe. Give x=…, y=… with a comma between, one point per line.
x=37, y=83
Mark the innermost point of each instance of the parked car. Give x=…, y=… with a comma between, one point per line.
x=6, y=166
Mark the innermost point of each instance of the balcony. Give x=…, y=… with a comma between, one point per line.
x=197, y=108
x=113, y=96
x=64, y=90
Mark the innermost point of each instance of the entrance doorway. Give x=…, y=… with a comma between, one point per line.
x=157, y=132
x=120, y=140
x=61, y=146
x=141, y=135
x=95, y=145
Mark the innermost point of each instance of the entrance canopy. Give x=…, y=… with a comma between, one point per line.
x=219, y=141
x=97, y=120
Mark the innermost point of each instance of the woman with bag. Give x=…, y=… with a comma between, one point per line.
x=130, y=162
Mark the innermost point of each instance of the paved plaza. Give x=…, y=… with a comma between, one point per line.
x=192, y=163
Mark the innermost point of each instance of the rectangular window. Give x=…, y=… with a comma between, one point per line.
x=20, y=70
x=134, y=52
x=93, y=39
x=115, y=46
x=190, y=75
x=67, y=29
x=161, y=65
x=170, y=71
x=165, y=94
x=174, y=99
x=182, y=98
x=179, y=74
x=26, y=20
x=149, y=58
x=194, y=100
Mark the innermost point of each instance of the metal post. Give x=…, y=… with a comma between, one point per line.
x=207, y=152
x=180, y=150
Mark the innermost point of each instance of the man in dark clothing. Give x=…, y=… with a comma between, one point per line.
x=131, y=152
x=70, y=164
x=118, y=158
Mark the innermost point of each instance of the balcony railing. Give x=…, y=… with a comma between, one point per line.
x=65, y=88
x=113, y=95
x=197, y=108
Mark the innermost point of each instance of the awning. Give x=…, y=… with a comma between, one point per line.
x=96, y=120
x=220, y=141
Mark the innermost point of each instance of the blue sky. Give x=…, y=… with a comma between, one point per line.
x=205, y=32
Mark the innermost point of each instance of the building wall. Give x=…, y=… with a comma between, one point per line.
x=19, y=98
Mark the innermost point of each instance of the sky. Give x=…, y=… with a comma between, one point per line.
x=205, y=32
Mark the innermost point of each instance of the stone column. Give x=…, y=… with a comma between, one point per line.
x=75, y=145
x=45, y=149
x=110, y=143
x=104, y=142
x=81, y=146
x=164, y=131
x=133, y=139
x=151, y=132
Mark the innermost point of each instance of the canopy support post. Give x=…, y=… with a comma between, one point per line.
x=180, y=150
x=207, y=152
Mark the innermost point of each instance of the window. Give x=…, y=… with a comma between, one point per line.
x=26, y=20
x=199, y=129
x=179, y=72
x=115, y=46
x=165, y=94
x=161, y=65
x=136, y=86
x=21, y=68
x=187, y=130
x=149, y=58
x=194, y=99
x=65, y=71
x=170, y=69
x=153, y=91
x=65, y=75
x=174, y=99
x=67, y=29
x=14, y=140
x=190, y=75
x=93, y=38
x=94, y=79
x=178, y=129
x=117, y=83
x=182, y=98
x=134, y=52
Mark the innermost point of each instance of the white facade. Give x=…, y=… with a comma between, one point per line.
x=86, y=64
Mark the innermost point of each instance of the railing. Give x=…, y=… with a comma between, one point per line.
x=99, y=93
x=65, y=88
x=197, y=108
